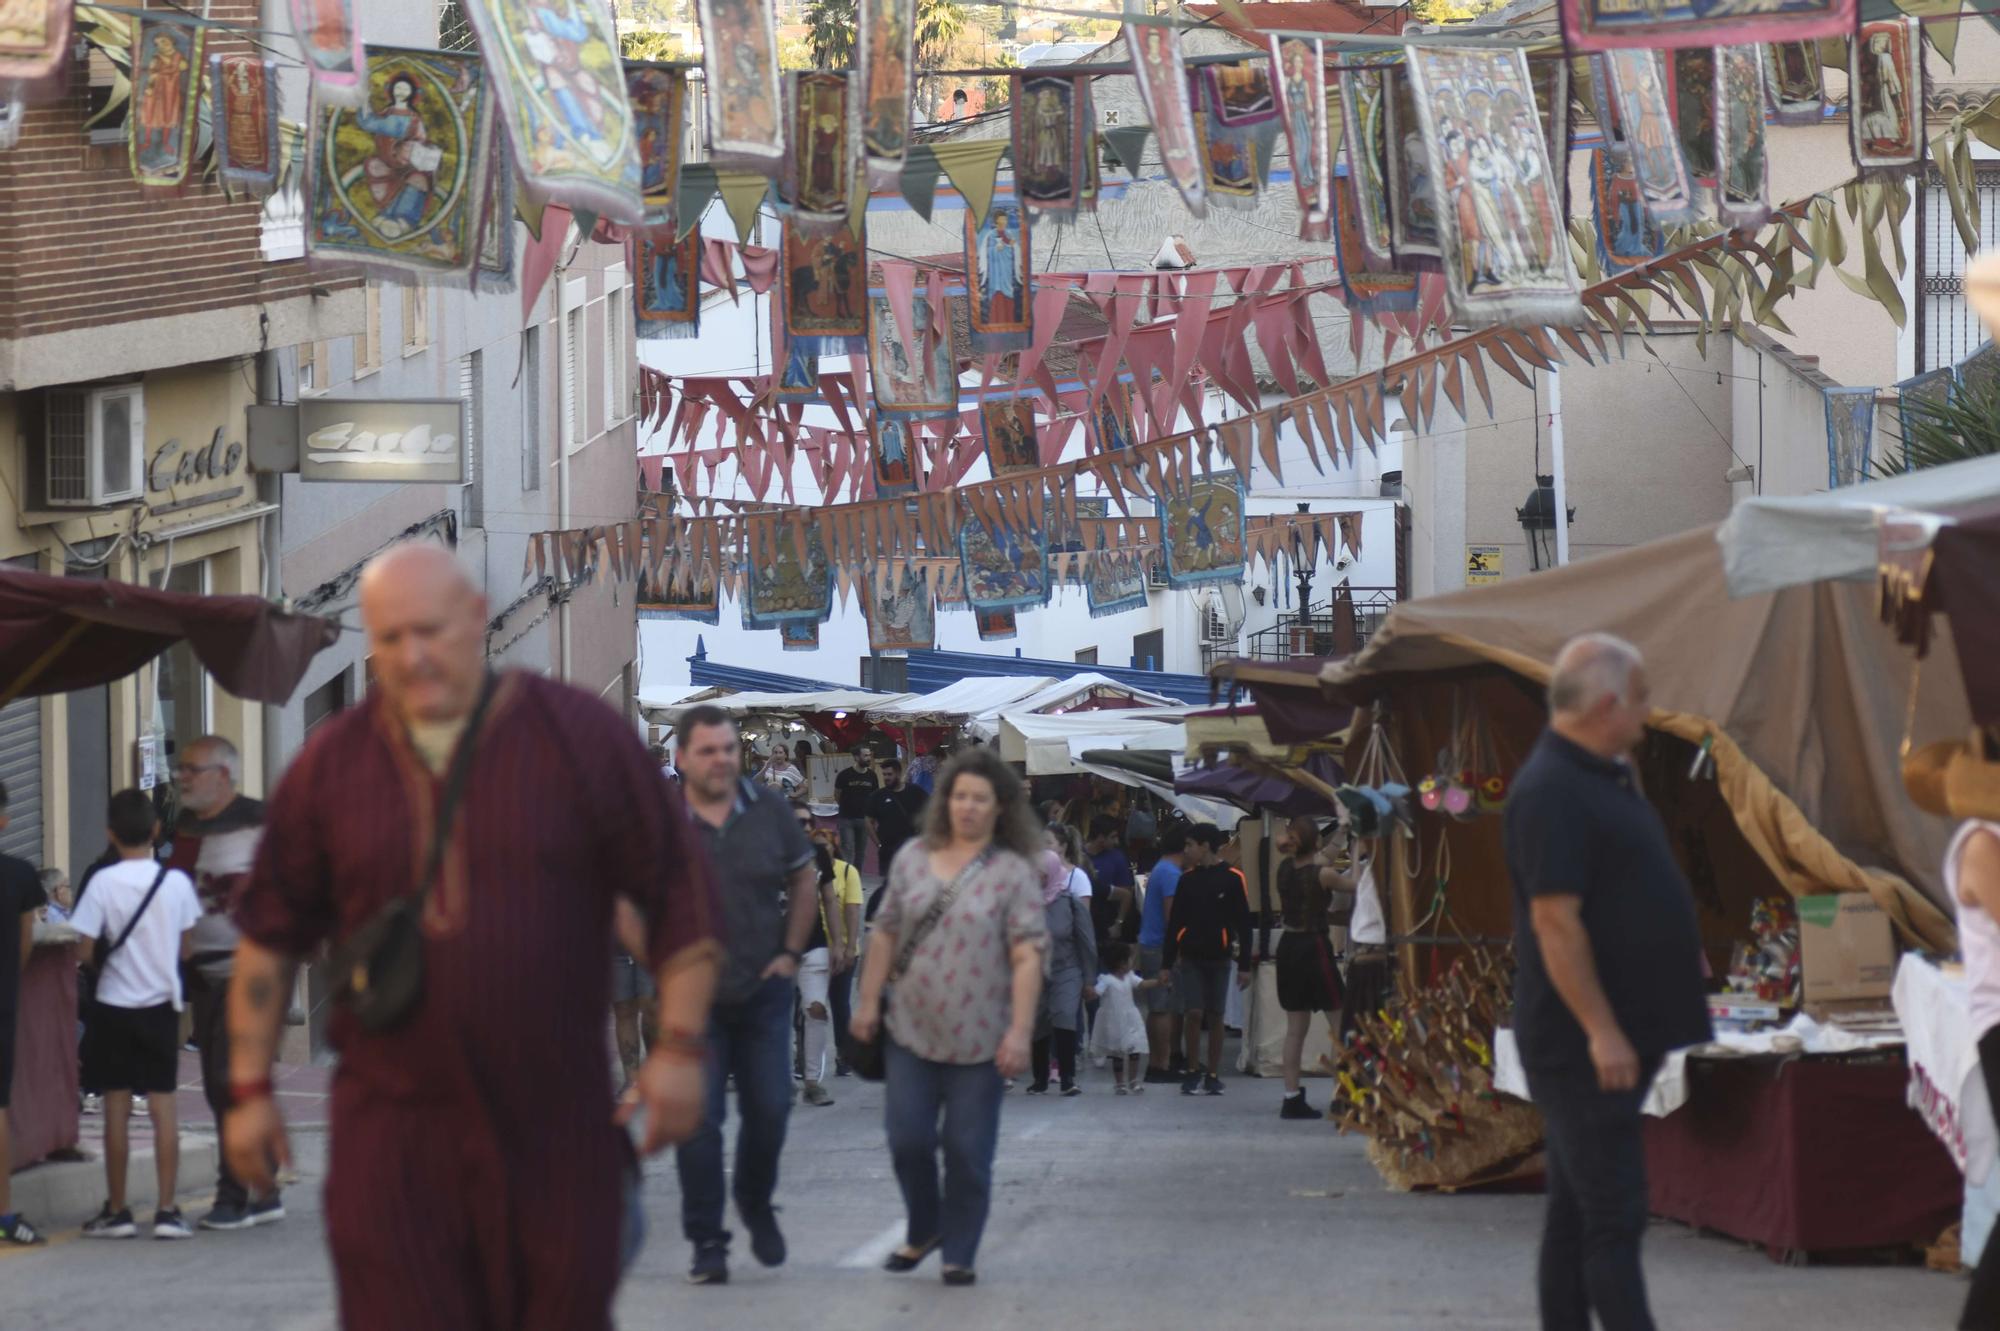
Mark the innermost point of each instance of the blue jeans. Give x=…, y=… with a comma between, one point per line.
x=753, y=1041
x=969, y=1097
x=1597, y=1201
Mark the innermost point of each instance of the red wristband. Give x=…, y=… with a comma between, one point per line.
x=244, y=1092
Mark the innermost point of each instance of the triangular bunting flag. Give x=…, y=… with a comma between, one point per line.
x=919, y=179
x=1128, y=145
x=692, y=194
x=742, y=195
x=971, y=164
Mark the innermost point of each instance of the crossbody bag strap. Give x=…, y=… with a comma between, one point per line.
x=908, y=951
x=454, y=788
x=133, y=923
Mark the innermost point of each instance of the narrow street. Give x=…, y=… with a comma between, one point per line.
x=1148, y=1212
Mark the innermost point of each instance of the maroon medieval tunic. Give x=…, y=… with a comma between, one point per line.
x=475, y=1174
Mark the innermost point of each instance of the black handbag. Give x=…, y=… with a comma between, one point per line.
x=866, y=1058
x=380, y=966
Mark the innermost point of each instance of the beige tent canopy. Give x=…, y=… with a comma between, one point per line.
x=1801, y=692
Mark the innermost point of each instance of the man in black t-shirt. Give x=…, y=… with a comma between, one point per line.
x=21, y=896
x=892, y=814
x=854, y=788
x=1609, y=979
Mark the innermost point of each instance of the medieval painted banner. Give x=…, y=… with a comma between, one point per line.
x=912, y=379
x=1742, y=193
x=1413, y=208
x=1506, y=248
x=1607, y=25
x=331, y=45
x=561, y=88
x=243, y=111
x=826, y=289
x=779, y=589
x=1691, y=100
x=166, y=96
x=821, y=169
x=996, y=625
x=885, y=45
x=1885, y=102
x=998, y=264
x=666, y=292
x=799, y=635
x=1298, y=69
x=1604, y=105
x=901, y=617
x=1850, y=431
x=397, y=186
x=1368, y=286
x=1117, y=582
x=797, y=379
x=1551, y=78
x=1237, y=126
x=1012, y=443
x=740, y=65
x=1049, y=165
x=1638, y=88
x=1111, y=424
x=34, y=37
x=1364, y=98
x=1794, y=83
x=895, y=461
x=493, y=270
x=697, y=599
x=1202, y=532
x=658, y=96
x=1627, y=235
x=1006, y=568
x=1155, y=49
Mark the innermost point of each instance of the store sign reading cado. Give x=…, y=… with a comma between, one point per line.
x=175, y=467
x=400, y=441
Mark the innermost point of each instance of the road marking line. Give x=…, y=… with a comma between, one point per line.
x=876, y=1250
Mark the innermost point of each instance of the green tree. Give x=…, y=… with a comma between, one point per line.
x=831, y=26
x=1961, y=425
x=1452, y=11
x=647, y=45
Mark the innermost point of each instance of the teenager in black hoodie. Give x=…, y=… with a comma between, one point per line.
x=1210, y=917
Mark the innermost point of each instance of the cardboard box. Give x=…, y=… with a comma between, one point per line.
x=1846, y=946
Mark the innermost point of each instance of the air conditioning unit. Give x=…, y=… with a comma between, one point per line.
x=94, y=442
x=1215, y=626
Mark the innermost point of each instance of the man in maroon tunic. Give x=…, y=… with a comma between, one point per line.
x=475, y=1174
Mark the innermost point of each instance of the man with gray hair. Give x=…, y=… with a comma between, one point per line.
x=214, y=843
x=1609, y=978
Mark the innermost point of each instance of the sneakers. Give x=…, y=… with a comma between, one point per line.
x=1211, y=1085
x=227, y=1216
x=1191, y=1084
x=1121, y=1089
x=269, y=1211
x=816, y=1094
x=840, y=1068
x=710, y=1266
x=171, y=1224
x=1295, y=1106
x=1070, y=1092
x=1178, y=1066
x=1039, y=1090
x=111, y=1225
x=93, y=1104
x=18, y=1233
x=767, y=1241
x=1160, y=1077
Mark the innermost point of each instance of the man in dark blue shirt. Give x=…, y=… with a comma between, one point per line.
x=1609, y=980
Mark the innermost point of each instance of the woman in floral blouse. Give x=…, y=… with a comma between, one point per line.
x=964, y=998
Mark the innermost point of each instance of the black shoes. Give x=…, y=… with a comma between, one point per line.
x=909, y=1259
x=109, y=1224
x=959, y=1276
x=711, y=1266
x=1161, y=1077
x=1295, y=1106
x=767, y=1241
x=1191, y=1083
x=1211, y=1085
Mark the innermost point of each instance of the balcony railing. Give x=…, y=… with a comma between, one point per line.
x=1317, y=632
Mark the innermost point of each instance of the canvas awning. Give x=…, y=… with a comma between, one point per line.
x=775, y=704
x=1085, y=692
x=1050, y=745
x=60, y=634
x=958, y=701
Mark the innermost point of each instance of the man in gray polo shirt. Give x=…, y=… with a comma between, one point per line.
x=764, y=872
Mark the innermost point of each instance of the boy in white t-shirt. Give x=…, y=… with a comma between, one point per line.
x=131, y=1041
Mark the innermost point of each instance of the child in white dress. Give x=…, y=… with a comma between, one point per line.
x=1120, y=1033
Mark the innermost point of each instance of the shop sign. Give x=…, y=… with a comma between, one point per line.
x=176, y=467
x=1482, y=565
x=411, y=440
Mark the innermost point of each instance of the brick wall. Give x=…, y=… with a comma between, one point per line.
x=80, y=246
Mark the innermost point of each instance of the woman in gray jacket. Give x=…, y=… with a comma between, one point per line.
x=1072, y=960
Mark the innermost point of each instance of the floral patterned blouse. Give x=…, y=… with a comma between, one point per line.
x=955, y=1001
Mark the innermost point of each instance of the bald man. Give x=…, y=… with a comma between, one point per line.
x=476, y=1168
x=1610, y=976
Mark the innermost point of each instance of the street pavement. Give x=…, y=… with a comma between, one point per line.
x=1152, y=1212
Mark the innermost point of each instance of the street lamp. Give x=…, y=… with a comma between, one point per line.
x=1302, y=567
x=1538, y=519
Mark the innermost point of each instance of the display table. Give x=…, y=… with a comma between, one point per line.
x=43, y=1116
x=1802, y=1155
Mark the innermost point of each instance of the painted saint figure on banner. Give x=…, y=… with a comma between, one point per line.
x=1301, y=91
x=819, y=142
x=1006, y=567
x=1365, y=121
x=887, y=34
x=914, y=378
x=740, y=66
x=901, y=618
x=658, y=99
x=1163, y=86
x=1886, y=98
x=1011, y=441
x=995, y=625
x=782, y=588
x=1111, y=424
x=1412, y=192
x=399, y=173
x=1743, y=192
x=1627, y=235
x=243, y=112
x=1117, y=582
x=166, y=65
x=1638, y=87
x=1047, y=143
x=1794, y=83
x=998, y=255
x=895, y=460
x=1694, y=110
x=826, y=284
x=1202, y=532
x=668, y=290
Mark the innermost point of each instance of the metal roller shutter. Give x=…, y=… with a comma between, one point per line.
x=21, y=769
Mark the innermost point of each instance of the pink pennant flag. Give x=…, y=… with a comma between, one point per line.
x=1188, y=328
x=538, y=257
x=718, y=267
x=1272, y=319
x=1049, y=306
x=760, y=267
x=899, y=282
x=1130, y=291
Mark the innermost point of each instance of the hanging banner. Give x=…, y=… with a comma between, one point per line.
x=1111, y=424
x=1607, y=25
x=902, y=620
x=799, y=635
x=895, y=458
x=1155, y=49
x=1237, y=128
x=1365, y=124
x=1885, y=100
x=740, y=66
x=1413, y=208
x=1049, y=162
x=826, y=289
x=1368, y=286
x=798, y=370
x=1093, y=175
x=1742, y=196
x=995, y=625
x=778, y=588
x=1627, y=235
x=332, y=48
x=658, y=97
x=1202, y=532
x=1794, y=83
x=1298, y=67
x=998, y=262
x=1006, y=568
x=822, y=163
x=1691, y=101
x=885, y=46
x=1604, y=105
x=666, y=292
x=34, y=38
x=697, y=599
x=243, y=114
x=1117, y=583
x=1551, y=79
x=1850, y=431
x=561, y=90
x=1639, y=90
x=166, y=95
x=1506, y=248
x=397, y=186
x=1008, y=425
x=493, y=271
x=913, y=379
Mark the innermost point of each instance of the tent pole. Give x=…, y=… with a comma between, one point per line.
x=1556, y=464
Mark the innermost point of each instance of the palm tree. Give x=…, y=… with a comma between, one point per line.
x=1951, y=427
x=831, y=26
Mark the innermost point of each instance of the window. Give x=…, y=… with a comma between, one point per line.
x=1149, y=650
x=891, y=674
x=572, y=381
x=315, y=373
x=471, y=391
x=1947, y=329
x=416, y=317
x=615, y=407
x=531, y=408
x=180, y=683
x=368, y=346
x=1086, y=656
x=326, y=701
x=105, y=122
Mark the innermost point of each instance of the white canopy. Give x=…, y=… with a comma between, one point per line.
x=957, y=701
x=1051, y=745
x=1060, y=694
x=1769, y=544
x=784, y=704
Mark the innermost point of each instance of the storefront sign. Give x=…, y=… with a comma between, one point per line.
x=174, y=466
x=1482, y=565
x=369, y=440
